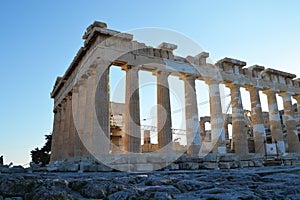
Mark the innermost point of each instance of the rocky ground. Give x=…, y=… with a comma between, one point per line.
x=250, y=183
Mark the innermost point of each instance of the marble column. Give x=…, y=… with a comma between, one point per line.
x=239, y=133
x=226, y=130
x=164, y=121
x=275, y=124
x=132, y=136
x=76, y=141
x=202, y=130
x=289, y=116
x=89, y=109
x=259, y=132
x=70, y=144
x=55, y=134
x=80, y=118
x=191, y=115
x=60, y=154
x=102, y=115
x=297, y=97
x=216, y=118
x=68, y=114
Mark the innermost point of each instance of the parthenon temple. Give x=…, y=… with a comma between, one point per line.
x=88, y=124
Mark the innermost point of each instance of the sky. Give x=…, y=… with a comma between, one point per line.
x=39, y=40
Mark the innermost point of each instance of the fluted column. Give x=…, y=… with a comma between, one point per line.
x=101, y=127
x=89, y=108
x=60, y=154
x=191, y=115
x=76, y=141
x=68, y=114
x=297, y=97
x=275, y=124
x=202, y=130
x=55, y=135
x=132, y=136
x=226, y=130
x=239, y=133
x=216, y=118
x=164, y=121
x=289, y=116
x=259, y=132
x=72, y=129
x=81, y=110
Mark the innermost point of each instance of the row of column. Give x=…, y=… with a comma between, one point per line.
x=84, y=113
x=238, y=121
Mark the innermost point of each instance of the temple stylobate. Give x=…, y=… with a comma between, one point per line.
x=82, y=109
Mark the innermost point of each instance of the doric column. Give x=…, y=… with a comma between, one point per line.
x=275, y=124
x=101, y=128
x=72, y=129
x=297, y=97
x=68, y=114
x=191, y=115
x=216, y=118
x=289, y=116
x=80, y=118
x=55, y=134
x=60, y=149
x=132, y=136
x=239, y=133
x=164, y=121
x=89, y=109
x=226, y=130
x=259, y=132
x=76, y=140
x=202, y=130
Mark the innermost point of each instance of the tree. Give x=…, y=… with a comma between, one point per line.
x=42, y=156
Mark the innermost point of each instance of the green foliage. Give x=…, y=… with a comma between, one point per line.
x=42, y=156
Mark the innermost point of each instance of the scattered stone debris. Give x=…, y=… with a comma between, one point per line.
x=275, y=182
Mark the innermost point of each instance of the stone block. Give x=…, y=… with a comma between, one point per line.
x=209, y=165
x=243, y=164
x=210, y=158
x=258, y=163
x=224, y=165
x=144, y=167
x=123, y=167
x=173, y=166
x=103, y=168
x=72, y=167
x=228, y=158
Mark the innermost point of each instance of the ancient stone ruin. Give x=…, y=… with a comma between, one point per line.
x=86, y=128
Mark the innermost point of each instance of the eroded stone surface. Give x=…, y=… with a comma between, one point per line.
x=251, y=183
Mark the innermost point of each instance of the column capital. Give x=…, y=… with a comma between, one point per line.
x=297, y=97
x=69, y=97
x=75, y=88
x=161, y=73
x=56, y=109
x=63, y=103
x=232, y=85
x=129, y=67
x=184, y=76
x=82, y=80
x=286, y=94
x=91, y=71
x=211, y=81
x=270, y=91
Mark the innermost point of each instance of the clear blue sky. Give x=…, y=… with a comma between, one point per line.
x=39, y=39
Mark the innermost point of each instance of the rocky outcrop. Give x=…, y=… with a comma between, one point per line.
x=250, y=183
